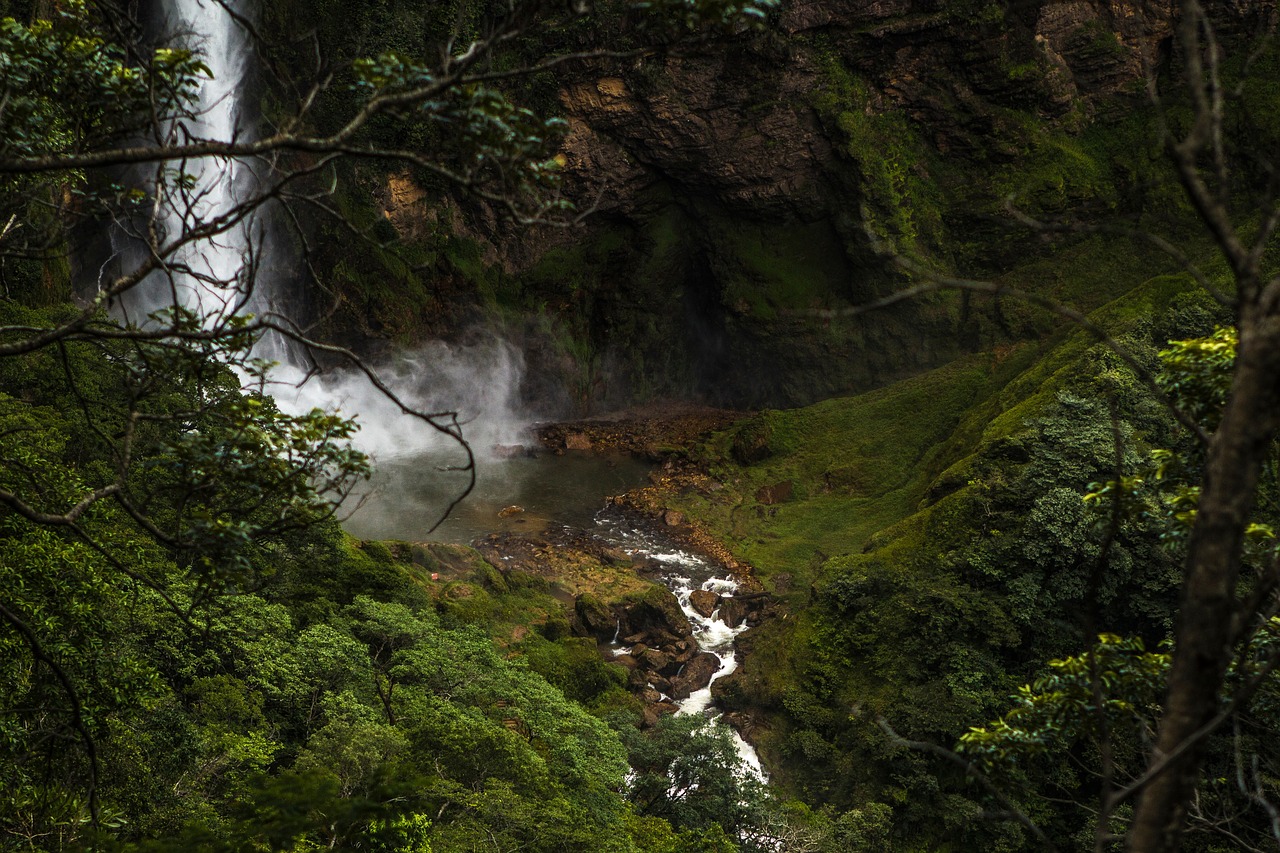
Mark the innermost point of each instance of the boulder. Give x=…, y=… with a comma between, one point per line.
x=595, y=617
x=654, y=660
x=704, y=602
x=652, y=713
x=656, y=615
x=751, y=442
x=695, y=675
x=732, y=611
x=577, y=441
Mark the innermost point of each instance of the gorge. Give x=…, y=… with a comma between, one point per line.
x=526, y=384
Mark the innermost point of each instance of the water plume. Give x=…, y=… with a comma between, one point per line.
x=480, y=380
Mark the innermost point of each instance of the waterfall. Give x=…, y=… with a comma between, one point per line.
x=480, y=379
x=214, y=286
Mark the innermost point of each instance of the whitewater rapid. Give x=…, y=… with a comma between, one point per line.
x=687, y=572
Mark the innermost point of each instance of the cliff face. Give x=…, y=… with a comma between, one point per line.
x=746, y=194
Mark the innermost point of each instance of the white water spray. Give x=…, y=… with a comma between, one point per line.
x=478, y=380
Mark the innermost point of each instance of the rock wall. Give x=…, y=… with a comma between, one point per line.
x=746, y=194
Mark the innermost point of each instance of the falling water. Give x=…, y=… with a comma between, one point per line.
x=215, y=286
x=228, y=275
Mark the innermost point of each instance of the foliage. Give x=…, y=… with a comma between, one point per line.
x=1061, y=707
x=1197, y=374
x=965, y=556
x=687, y=771
x=67, y=88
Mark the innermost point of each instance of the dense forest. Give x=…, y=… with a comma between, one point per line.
x=939, y=342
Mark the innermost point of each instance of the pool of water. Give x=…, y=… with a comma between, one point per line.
x=409, y=493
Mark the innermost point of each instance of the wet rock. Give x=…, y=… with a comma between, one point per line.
x=733, y=611
x=655, y=660
x=775, y=494
x=638, y=650
x=704, y=602
x=577, y=441
x=695, y=675
x=663, y=638
x=652, y=713
x=657, y=616
x=628, y=661
x=672, y=518
x=650, y=696
x=507, y=512
x=597, y=619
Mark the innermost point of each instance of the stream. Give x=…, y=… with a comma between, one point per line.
x=688, y=572
x=409, y=492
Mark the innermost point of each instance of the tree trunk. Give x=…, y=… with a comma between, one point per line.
x=1203, y=637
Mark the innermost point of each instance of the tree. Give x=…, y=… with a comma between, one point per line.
x=688, y=771
x=1216, y=621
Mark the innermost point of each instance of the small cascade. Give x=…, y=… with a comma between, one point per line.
x=690, y=572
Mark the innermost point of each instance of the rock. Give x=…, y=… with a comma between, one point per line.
x=655, y=660
x=672, y=518
x=664, y=638
x=751, y=442
x=695, y=676
x=652, y=713
x=650, y=695
x=507, y=512
x=732, y=611
x=595, y=617
x=627, y=660
x=775, y=494
x=704, y=602
x=656, y=616
x=577, y=441
x=638, y=649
